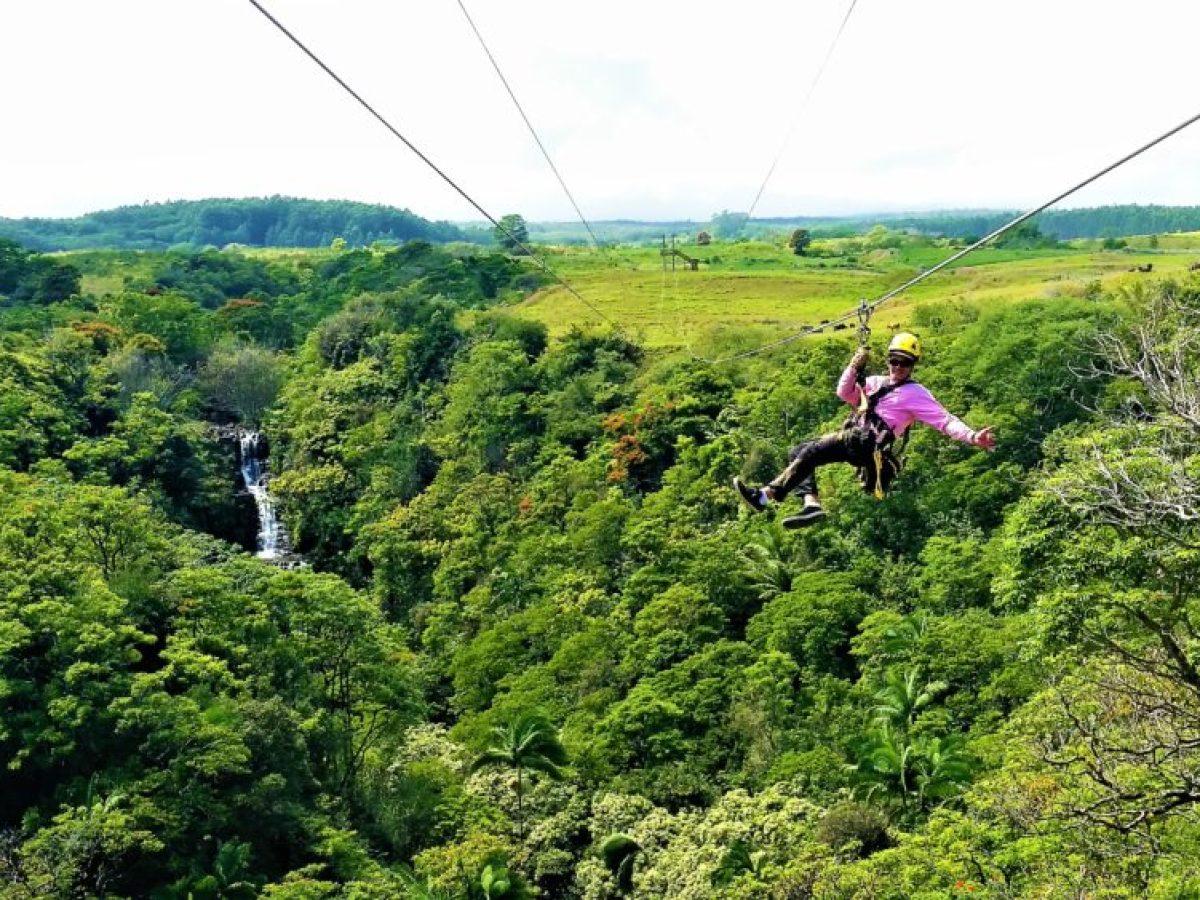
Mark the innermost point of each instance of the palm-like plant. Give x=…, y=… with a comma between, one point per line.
x=492, y=881
x=737, y=859
x=619, y=852
x=903, y=637
x=231, y=869
x=942, y=767
x=421, y=888
x=528, y=742
x=495, y=882
x=884, y=763
x=764, y=564
x=890, y=760
x=903, y=697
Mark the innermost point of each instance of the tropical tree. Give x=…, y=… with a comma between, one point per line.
x=13, y=261
x=903, y=697
x=764, y=564
x=883, y=764
x=228, y=880
x=497, y=883
x=511, y=233
x=942, y=767
x=527, y=742
x=1026, y=237
x=1106, y=549
x=799, y=240
x=890, y=759
x=914, y=771
x=619, y=852
x=242, y=379
x=83, y=849
x=729, y=225
x=737, y=859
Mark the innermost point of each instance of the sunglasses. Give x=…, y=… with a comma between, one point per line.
x=900, y=361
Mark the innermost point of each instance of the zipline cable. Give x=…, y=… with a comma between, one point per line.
x=870, y=307
x=803, y=107
x=425, y=159
x=796, y=120
x=495, y=65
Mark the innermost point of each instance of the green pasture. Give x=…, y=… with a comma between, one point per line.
x=753, y=292
x=749, y=293
x=109, y=271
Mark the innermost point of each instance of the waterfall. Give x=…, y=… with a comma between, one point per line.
x=272, y=537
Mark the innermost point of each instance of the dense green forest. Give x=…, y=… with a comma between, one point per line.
x=263, y=222
x=290, y=222
x=537, y=649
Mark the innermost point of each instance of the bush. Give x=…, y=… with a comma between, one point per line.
x=242, y=379
x=855, y=824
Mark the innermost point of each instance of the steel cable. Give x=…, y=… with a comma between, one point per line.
x=495, y=65
x=870, y=307
x=803, y=107
x=425, y=159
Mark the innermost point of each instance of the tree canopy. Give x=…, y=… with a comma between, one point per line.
x=258, y=222
x=535, y=648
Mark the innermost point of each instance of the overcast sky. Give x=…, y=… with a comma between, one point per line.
x=651, y=109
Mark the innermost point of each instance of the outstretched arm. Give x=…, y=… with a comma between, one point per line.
x=925, y=408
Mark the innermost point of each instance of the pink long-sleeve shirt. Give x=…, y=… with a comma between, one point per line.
x=905, y=405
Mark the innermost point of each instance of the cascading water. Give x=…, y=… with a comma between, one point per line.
x=272, y=537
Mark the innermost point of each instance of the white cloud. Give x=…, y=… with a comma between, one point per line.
x=650, y=109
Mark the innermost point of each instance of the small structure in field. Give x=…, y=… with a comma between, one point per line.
x=673, y=252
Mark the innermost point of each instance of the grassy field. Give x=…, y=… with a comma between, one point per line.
x=752, y=292
x=108, y=271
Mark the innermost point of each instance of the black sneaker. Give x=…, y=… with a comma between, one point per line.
x=810, y=514
x=751, y=497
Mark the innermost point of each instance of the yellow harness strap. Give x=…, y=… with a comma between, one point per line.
x=879, y=495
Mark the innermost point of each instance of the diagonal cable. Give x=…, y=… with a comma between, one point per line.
x=1033, y=212
x=803, y=107
x=868, y=308
x=529, y=125
x=542, y=264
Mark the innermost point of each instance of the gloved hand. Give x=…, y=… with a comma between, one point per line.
x=985, y=439
x=859, y=359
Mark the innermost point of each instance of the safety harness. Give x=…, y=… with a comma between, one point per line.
x=886, y=458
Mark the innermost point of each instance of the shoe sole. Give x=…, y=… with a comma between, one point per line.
x=803, y=521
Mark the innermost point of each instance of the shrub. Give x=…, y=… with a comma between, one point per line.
x=854, y=824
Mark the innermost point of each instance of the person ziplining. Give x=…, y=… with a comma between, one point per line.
x=886, y=406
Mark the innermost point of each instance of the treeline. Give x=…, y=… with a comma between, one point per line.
x=1063, y=224
x=261, y=222
x=27, y=276
x=291, y=222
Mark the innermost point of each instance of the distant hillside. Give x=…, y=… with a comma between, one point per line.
x=1065, y=224
x=259, y=222
x=292, y=222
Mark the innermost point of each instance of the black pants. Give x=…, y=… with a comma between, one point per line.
x=850, y=445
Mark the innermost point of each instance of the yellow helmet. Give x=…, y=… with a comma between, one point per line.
x=906, y=344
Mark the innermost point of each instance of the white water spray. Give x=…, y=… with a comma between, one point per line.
x=272, y=538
